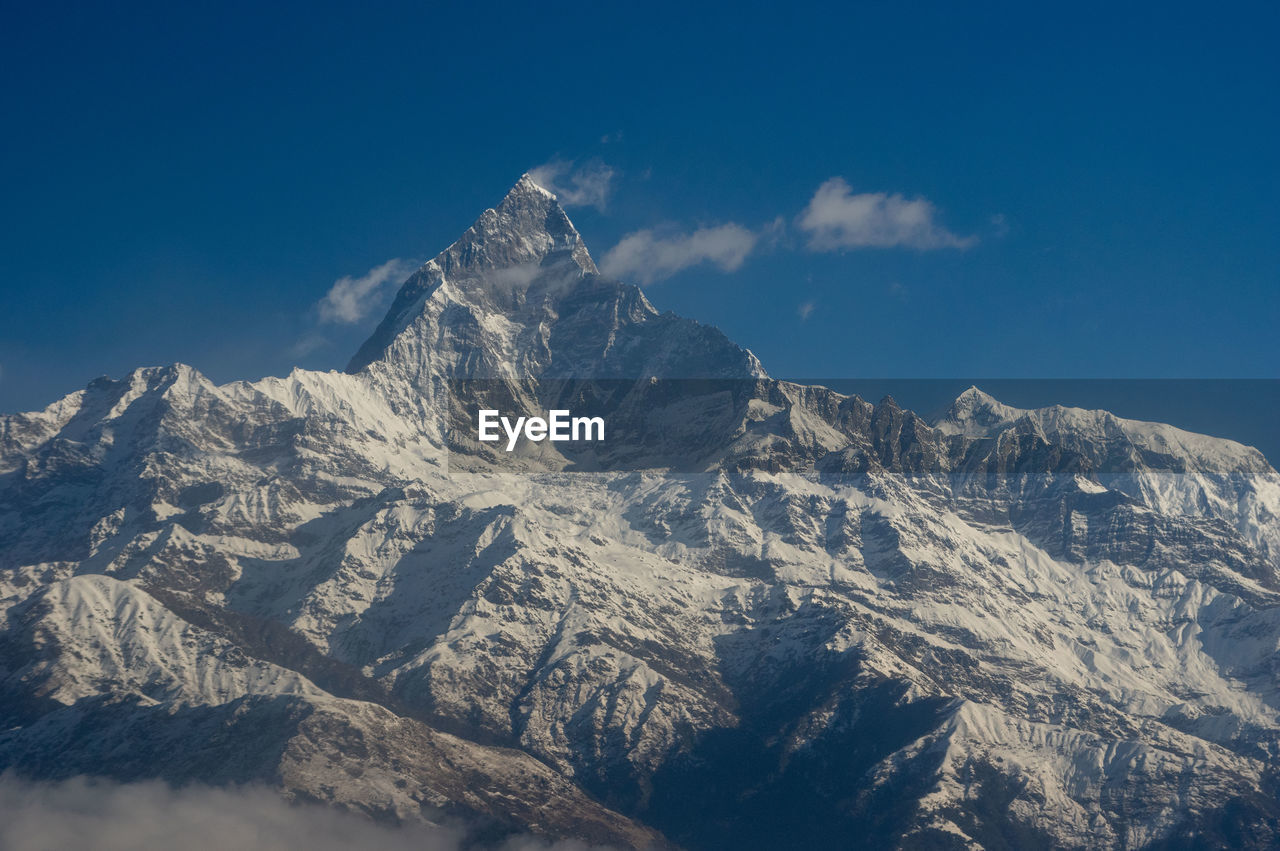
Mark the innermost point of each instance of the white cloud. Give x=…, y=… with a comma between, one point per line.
x=773, y=234
x=110, y=816
x=836, y=218
x=351, y=299
x=519, y=276
x=308, y=344
x=587, y=185
x=646, y=257
x=805, y=310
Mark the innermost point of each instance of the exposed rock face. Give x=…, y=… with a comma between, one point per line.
x=826, y=619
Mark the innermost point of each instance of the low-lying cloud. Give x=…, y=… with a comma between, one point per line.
x=351, y=299
x=838, y=219
x=646, y=256
x=109, y=816
x=587, y=185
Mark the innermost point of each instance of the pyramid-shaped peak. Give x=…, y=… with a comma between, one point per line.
x=975, y=412
x=528, y=228
x=975, y=403
x=974, y=397
x=525, y=242
x=526, y=185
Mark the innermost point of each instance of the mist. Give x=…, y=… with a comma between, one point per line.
x=105, y=815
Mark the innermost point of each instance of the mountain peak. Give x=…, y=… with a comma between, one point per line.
x=518, y=294
x=975, y=413
x=974, y=398
x=528, y=228
x=527, y=237
x=526, y=184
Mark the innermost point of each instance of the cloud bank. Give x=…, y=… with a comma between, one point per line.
x=646, y=257
x=837, y=219
x=109, y=816
x=350, y=299
x=587, y=185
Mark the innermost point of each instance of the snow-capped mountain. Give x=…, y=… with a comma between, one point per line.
x=827, y=623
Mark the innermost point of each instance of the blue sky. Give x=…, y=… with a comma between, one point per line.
x=887, y=190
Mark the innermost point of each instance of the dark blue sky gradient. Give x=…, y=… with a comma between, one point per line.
x=182, y=182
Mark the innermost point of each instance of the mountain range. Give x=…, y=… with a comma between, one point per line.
x=762, y=615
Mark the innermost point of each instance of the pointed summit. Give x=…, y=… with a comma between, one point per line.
x=525, y=239
x=517, y=295
x=526, y=186
x=976, y=413
x=974, y=398
x=528, y=228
